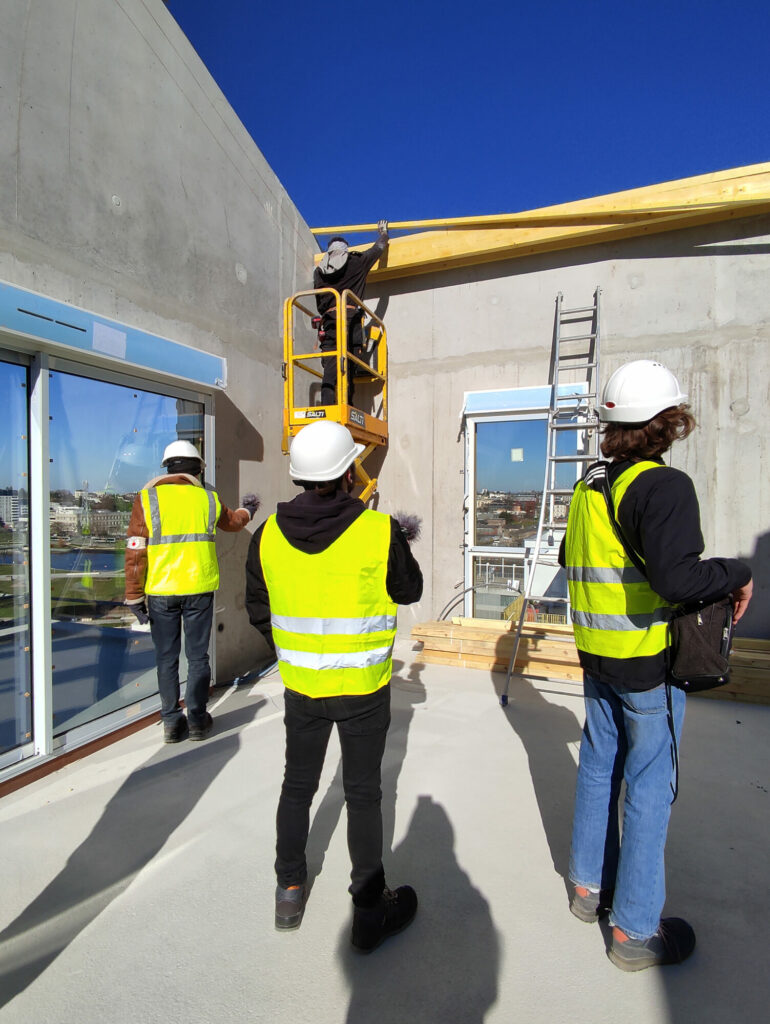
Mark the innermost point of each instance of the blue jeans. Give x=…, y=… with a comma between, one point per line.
x=166, y=617
x=627, y=735
x=362, y=724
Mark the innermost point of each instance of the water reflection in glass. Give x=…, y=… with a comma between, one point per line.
x=106, y=444
x=15, y=674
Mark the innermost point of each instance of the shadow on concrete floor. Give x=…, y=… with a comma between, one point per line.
x=444, y=968
x=152, y=802
x=546, y=731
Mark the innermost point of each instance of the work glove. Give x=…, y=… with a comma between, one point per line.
x=410, y=526
x=251, y=503
x=382, y=228
x=140, y=611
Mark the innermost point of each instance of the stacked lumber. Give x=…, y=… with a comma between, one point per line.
x=749, y=673
x=547, y=650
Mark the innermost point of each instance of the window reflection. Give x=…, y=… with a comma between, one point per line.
x=106, y=443
x=15, y=674
x=510, y=464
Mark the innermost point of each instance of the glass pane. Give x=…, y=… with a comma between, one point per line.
x=497, y=586
x=510, y=469
x=510, y=463
x=499, y=583
x=15, y=669
x=107, y=441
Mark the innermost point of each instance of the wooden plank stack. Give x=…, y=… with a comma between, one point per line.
x=548, y=651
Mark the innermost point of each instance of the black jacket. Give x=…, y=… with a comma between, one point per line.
x=310, y=523
x=352, y=275
x=660, y=518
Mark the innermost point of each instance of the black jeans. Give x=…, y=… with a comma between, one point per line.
x=362, y=724
x=166, y=616
x=329, y=363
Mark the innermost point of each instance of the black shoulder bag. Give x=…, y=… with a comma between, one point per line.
x=700, y=634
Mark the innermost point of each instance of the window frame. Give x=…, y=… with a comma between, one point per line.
x=41, y=361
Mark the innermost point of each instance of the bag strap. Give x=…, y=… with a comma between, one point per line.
x=598, y=480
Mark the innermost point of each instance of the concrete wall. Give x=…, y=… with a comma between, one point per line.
x=697, y=300
x=129, y=187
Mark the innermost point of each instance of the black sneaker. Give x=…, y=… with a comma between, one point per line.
x=394, y=912
x=201, y=729
x=289, y=907
x=671, y=944
x=175, y=730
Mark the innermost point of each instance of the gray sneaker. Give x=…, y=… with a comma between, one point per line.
x=591, y=907
x=289, y=907
x=671, y=944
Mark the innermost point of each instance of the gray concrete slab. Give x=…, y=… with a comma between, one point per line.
x=139, y=883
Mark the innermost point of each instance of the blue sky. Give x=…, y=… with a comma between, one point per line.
x=413, y=110
x=496, y=470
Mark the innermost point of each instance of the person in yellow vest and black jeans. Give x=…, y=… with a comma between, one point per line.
x=620, y=617
x=324, y=577
x=171, y=576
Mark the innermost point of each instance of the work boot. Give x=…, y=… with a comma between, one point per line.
x=590, y=906
x=289, y=906
x=671, y=944
x=201, y=728
x=394, y=911
x=175, y=730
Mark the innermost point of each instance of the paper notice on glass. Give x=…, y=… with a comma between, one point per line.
x=109, y=340
x=517, y=454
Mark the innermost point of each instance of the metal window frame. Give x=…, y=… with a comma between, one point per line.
x=41, y=362
x=471, y=420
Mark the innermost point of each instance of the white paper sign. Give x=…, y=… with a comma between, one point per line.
x=109, y=340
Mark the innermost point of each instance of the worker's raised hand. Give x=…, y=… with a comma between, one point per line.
x=382, y=227
x=140, y=611
x=251, y=503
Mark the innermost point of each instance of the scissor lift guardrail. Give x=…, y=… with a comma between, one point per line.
x=369, y=429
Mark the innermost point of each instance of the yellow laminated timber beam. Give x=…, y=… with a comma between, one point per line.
x=467, y=241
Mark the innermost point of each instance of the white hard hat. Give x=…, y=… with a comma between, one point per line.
x=322, y=451
x=181, y=450
x=638, y=391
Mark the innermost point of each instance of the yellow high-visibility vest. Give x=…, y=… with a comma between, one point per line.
x=332, y=619
x=181, y=554
x=615, y=611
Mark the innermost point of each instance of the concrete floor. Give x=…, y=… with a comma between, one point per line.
x=139, y=884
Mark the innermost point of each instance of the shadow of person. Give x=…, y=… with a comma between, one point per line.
x=405, y=694
x=444, y=968
x=716, y=863
x=547, y=731
x=152, y=802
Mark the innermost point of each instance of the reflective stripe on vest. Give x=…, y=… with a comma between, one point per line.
x=615, y=611
x=181, y=555
x=348, y=648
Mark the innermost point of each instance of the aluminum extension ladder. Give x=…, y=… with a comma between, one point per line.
x=574, y=361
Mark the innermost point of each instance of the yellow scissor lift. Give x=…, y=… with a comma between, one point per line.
x=369, y=429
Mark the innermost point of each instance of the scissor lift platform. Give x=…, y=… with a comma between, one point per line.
x=369, y=428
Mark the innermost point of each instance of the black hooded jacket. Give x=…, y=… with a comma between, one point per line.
x=310, y=523
x=351, y=276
